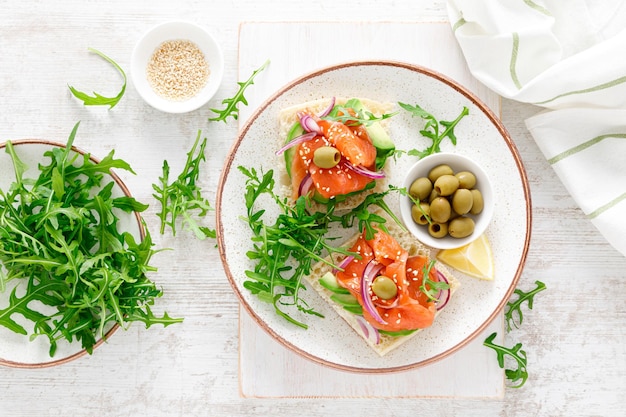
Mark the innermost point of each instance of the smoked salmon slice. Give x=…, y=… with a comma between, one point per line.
x=411, y=309
x=328, y=183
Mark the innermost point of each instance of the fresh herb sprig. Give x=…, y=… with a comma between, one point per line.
x=429, y=287
x=434, y=129
x=295, y=235
x=516, y=305
x=516, y=353
x=98, y=99
x=183, y=196
x=350, y=117
x=283, y=252
x=60, y=248
x=231, y=109
x=364, y=217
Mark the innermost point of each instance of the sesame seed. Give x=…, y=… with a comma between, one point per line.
x=177, y=70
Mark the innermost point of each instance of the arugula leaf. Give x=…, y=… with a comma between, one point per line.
x=71, y=273
x=183, y=197
x=429, y=287
x=348, y=116
x=19, y=305
x=516, y=306
x=231, y=109
x=364, y=216
x=517, y=354
x=432, y=129
x=283, y=252
x=98, y=99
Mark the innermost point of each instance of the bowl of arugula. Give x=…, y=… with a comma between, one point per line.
x=73, y=253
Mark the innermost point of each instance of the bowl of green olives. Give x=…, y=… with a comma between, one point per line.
x=451, y=200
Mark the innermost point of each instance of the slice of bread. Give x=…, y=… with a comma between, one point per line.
x=386, y=343
x=289, y=116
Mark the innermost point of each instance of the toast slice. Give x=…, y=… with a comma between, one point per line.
x=289, y=116
x=384, y=343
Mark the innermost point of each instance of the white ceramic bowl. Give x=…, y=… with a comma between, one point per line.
x=176, y=30
x=458, y=163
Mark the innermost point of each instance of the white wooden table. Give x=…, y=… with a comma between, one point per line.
x=574, y=337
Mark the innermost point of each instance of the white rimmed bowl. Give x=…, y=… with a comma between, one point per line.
x=169, y=31
x=458, y=163
x=17, y=350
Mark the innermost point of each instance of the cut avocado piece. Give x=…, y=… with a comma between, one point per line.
x=329, y=281
x=295, y=131
x=379, y=136
x=345, y=300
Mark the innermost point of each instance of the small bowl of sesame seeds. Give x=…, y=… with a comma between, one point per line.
x=177, y=67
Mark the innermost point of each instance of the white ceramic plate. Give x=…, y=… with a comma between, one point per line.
x=481, y=136
x=16, y=350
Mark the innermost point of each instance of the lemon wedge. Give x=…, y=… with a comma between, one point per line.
x=474, y=259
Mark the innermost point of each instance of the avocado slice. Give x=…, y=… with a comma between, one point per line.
x=380, y=138
x=295, y=131
x=329, y=281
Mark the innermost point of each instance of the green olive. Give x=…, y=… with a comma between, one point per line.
x=446, y=185
x=421, y=188
x=433, y=194
x=384, y=287
x=326, y=157
x=440, y=210
x=438, y=230
x=420, y=213
x=462, y=201
x=478, y=203
x=461, y=227
x=466, y=179
x=438, y=171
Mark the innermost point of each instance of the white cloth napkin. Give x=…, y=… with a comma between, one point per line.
x=568, y=56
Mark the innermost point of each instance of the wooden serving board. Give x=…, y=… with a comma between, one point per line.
x=267, y=368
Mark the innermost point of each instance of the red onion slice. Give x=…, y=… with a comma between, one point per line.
x=343, y=264
x=296, y=141
x=309, y=124
x=369, y=331
x=366, y=172
x=370, y=271
x=305, y=185
x=328, y=109
x=443, y=294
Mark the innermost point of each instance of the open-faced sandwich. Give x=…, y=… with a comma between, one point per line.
x=381, y=291
x=335, y=149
